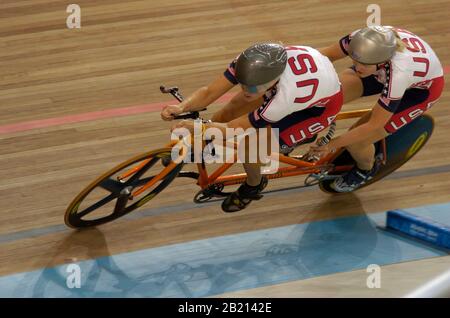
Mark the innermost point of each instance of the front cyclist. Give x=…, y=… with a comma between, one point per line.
x=295, y=89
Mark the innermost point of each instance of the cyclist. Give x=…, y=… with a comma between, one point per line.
x=295, y=89
x=406, y=73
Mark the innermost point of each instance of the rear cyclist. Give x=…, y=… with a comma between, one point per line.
x=406, y=73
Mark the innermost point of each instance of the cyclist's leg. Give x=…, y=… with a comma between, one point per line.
x=303, y=125
x=255, y=152
x=413, y=104
x=248, y=152
x=355, y=87
x=253, y=171
x=352, y=85
x=251, y=189
x=235, y=108
x=363, y=153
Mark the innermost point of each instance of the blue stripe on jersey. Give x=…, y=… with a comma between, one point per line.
x=385, y=101
x=256, y=119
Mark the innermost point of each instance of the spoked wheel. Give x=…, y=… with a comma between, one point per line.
x=111, y=195
x=400, y=147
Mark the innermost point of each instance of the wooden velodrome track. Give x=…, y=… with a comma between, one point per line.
x=122, y=53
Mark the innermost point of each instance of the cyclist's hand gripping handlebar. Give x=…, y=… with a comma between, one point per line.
x=174, y=91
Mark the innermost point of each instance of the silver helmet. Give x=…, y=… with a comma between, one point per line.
x=373, y=45
x=260, y=64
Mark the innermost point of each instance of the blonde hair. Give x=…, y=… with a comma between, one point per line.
x=400, y=44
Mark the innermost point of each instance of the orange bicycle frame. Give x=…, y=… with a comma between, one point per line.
x=296, y=166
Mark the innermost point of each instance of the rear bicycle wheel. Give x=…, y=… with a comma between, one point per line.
x=400, y=148
x=107, y=198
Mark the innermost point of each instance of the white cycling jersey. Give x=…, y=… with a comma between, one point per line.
x=309, y=80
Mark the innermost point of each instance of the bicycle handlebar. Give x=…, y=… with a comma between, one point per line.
x=190, y=115
x=172, y=91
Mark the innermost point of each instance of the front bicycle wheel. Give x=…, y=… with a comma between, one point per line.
x=109, y=197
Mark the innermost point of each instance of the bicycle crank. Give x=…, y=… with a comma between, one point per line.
x=212, y=191
x=315, y=178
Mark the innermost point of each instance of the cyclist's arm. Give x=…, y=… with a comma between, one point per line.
x=204, y=96
x=369, y=132
x=333, y=52
x=271, y=111
x=240, y=122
